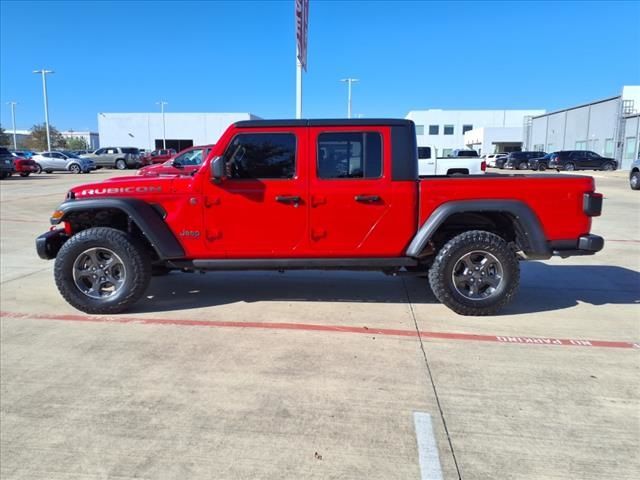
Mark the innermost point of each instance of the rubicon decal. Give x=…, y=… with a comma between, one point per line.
x=114, y=190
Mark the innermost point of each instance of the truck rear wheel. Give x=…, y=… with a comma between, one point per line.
x=102, y=270
x=475, y=273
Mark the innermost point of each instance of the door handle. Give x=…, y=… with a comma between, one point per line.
x=289, y=199
x=367, y=198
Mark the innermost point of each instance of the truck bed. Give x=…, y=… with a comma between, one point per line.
x=553, y=197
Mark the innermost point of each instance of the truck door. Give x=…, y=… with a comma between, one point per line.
x=260, y=209
x=351, y=199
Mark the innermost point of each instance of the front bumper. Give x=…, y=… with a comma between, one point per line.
x=48, y=244
x=585, y=245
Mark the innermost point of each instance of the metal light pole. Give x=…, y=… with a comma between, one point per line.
x=349, y=81
x=13, y=119
x=162, y=103
x=46, y=103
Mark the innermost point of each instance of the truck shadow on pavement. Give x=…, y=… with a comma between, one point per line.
x=543, y=288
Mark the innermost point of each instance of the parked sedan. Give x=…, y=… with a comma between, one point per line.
x=520, y=160
x=186, y=162
x=491, y=158
x=581, y=160
x=541, y=164
x=24, y=166
x=62, y=162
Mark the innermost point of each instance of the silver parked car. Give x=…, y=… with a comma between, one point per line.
x=116, y=157
x=62, y=162
x=634, y=175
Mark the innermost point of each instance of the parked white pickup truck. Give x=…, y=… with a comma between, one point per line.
x=430, y=164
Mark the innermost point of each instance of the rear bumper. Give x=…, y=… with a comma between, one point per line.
x=48, y=244
x=585, y=245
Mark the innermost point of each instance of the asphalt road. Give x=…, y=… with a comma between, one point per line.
x=320, y=374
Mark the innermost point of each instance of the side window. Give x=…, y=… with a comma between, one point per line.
x=349, y=155
x=46, y=155
x=424, y=152
x=100, y=151
x=434, y=129
x=261, y=155
x=448, y=129
x=466, y=128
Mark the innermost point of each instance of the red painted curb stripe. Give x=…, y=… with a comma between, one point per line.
x=330, y=328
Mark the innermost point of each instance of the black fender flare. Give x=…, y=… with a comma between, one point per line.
x=535, y=243
x=141, y=213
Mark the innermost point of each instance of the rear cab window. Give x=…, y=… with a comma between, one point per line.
x=349, y=155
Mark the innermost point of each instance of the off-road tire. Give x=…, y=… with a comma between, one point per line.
x=121, y=164
x=136, y=262
x=75, y=168
x=440, y=274
x=542, y=167
x=634, y=181
x=523, y=166
x=570, y=167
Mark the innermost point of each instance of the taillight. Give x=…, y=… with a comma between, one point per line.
x=483, y=166
x=592, y=204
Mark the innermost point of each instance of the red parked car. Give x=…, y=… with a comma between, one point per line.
x=317, y=194
x=185, y=162
x=158, y=156
x=24, y=166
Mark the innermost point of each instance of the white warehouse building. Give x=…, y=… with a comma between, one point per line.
x=495, y=130
x=608, y=127
x=181, y=130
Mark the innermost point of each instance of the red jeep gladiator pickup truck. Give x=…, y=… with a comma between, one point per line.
x=317, y=194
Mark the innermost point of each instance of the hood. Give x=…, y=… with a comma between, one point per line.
x=130, y=186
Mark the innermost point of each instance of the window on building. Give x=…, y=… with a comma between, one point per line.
x=419, y=129
x=581, y=145
x=446, y=152
x=448, y=129
x=608, y=147
x=261, y=155
x=466, y=128
x=629, y=148
x=538, y=148
x=550, y=147
x=434, y=129
x=349, y=155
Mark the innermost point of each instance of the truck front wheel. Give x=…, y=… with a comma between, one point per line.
x=475, y=273
x=102, y=270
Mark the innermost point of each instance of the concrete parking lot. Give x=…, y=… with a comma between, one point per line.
x=321, y=374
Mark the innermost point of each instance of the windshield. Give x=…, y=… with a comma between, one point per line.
x=194, y=157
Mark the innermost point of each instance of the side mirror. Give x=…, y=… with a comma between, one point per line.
x=217, y=169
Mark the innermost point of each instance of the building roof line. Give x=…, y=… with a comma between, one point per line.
x=595, y=102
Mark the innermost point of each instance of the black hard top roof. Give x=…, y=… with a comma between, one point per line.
x=323, y=122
